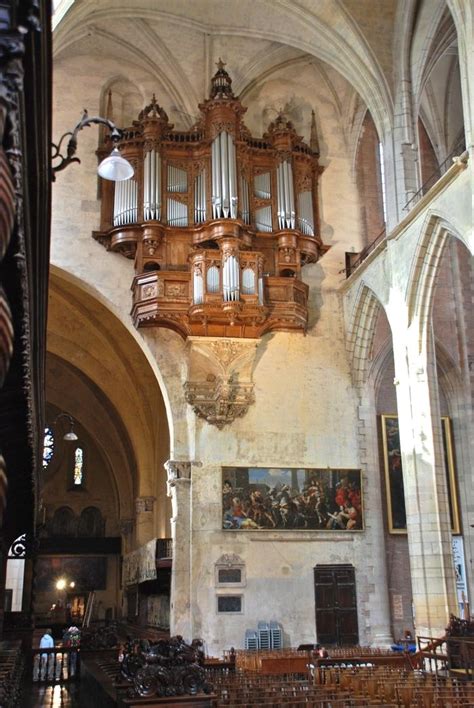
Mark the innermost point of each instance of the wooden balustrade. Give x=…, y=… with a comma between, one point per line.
x=59, y=664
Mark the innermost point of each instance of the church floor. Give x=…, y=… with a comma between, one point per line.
x=53, y=696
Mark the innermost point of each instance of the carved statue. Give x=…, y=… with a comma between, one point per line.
x=165, y=668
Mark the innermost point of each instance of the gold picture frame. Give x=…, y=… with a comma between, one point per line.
x=292, y=499
x=394, y=475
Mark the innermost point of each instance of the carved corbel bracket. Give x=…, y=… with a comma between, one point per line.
x=219, y=385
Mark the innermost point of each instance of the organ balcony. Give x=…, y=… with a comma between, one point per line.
x=219, y=224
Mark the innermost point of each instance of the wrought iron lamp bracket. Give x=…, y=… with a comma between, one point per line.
x=85, y=122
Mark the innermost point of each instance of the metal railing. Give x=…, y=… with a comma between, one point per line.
x=351, y=266
x=164, y=548
x=437, y=174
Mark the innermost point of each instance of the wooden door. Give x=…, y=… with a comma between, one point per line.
x=336, y=605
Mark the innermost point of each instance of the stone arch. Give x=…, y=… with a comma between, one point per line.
x=440, y=33
x=85, y=331
x=449, y=377
x=420, y=288
x=361, y=333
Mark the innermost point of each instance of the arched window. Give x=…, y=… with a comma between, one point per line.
x=78, y=476
x=48, y=447
x=91, y=523
x=64, y=522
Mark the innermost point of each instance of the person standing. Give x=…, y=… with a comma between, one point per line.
x=72, y=640
x=44, y=662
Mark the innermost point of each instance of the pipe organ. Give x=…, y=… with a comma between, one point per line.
x=219, y=223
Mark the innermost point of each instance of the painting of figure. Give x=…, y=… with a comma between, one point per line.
x=256, y=498
x=397, y=519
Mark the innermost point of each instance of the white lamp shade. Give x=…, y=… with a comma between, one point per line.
x=115, y=167
x=70, y=436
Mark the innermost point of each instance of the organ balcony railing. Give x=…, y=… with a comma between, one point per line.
x=219, y=223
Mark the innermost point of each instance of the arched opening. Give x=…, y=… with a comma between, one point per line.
x=369, y=177
x=15, y=575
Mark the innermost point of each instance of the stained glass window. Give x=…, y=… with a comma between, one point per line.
x=48, y=446
x=78, y=466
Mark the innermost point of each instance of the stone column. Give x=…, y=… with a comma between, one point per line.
x=424, y=477
x=179, y=489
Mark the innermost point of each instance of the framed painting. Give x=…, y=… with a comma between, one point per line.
x=397, y=520
x=282, y=499
x=88, y=572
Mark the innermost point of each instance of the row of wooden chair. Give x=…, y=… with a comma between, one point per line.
x=358, y=686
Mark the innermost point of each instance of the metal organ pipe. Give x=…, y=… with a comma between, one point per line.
x=224, y=174
x=230, y=278
x=200, y=198
x=286, y=196
x=248, y=281
x=125, y=202
x=305, y=213
x=152, y=186
x=262, y=186
x=177, y=213
x=224, y=177
x=263, y=219
x=260, y=290
x=212, y=279
x=198, y=287
x=244, y=193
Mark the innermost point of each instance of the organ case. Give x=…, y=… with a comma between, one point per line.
x=219, y=223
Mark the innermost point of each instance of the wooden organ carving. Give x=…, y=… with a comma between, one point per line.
x=219, y=223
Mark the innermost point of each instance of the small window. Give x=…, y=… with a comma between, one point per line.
x=230, y=575
x=230, y=604
x=48, y=447
x=78, y=477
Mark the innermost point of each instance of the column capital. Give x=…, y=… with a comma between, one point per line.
x=178, y=470
x=144, y=504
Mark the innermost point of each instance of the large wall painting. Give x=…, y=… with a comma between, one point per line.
x=397, y=520
x=87, y=572
x=281, y=498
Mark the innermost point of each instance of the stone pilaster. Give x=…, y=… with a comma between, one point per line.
x=126, y=530
x=424, y=477
x=144, y=530
x=179, y=489
x=377, y=603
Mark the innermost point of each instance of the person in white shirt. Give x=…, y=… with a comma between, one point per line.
x=44, y=663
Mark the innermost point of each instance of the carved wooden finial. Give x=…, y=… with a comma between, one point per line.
x=313, y=141
x=220, y=64
x=109, y=111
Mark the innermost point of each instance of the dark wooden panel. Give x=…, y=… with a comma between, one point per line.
x=336, y=605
